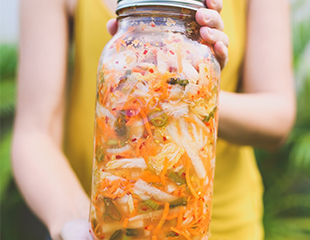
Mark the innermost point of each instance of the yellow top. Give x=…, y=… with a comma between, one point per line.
x=237, y=205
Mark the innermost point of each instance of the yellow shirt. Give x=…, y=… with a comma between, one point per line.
x=237, y=205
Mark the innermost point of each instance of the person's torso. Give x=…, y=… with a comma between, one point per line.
x=237, y=206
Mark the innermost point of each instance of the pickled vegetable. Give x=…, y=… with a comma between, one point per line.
x=155, y=133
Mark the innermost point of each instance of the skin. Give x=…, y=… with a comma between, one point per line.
x=261, y=116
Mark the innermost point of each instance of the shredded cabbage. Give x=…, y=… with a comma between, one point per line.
x=145, y=191
x=127, y=163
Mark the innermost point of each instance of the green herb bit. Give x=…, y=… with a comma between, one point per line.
x=128, y=72
x=211, y=115
x=144, y=208
x=172, y=234
x=114, y=143
x=133, y=232
x=183, y=83
x=174, y=81
x=181, y=172
x=152, y=204
x=176, y=178
x=158, y=118
x=178, y=202
x=99, y=154
x=101, y=77
x=111, y=210
x=120, y=125
x=117, y=235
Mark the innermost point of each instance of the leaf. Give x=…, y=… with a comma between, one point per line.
x=7, y=98
x=5, y=162
x=300, y=154
x=8, y=60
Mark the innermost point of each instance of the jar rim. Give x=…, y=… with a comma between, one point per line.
x=188, y=4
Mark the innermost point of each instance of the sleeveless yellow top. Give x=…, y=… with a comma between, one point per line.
x=237, y=206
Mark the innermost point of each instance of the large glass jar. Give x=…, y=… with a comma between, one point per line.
x=155, y=126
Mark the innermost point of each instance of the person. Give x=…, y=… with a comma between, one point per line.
x=257, y=107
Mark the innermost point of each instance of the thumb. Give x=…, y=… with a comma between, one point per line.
x=112, y=26
x=76, y=230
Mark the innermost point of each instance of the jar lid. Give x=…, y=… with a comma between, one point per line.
x=189, y=4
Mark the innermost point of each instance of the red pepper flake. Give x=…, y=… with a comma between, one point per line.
x=117, y=62
x=118, y=156
x=145, y=52
x=134, y=139
x=151, y=70
x=153, y=24
x=89, y=231
x=172, y=52
x=106, y=119
x=102, y=170
x=198, y=92
x=164, y=138
x=188, y=52
x=113, y=109
x=183, y=174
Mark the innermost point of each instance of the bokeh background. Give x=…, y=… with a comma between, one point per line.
x=286, y=173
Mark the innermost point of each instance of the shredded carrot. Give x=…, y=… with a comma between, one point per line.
x=154, y=237
x=125, y=223
x=175, y=230
x=172, y=216
x=195, y=209
x=193, y=232
x=180, y=218
x=137, y=150
x=163, y=218
x=107, y=91
x=149, y=177
x=163, y=173
x=146, y=123
x=188, y=181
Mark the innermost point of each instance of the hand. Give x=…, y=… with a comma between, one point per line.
x=212, y=27
x=76, y=230
x=211, y=30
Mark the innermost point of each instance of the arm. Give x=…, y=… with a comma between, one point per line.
x=264, y=114
x=42, y=172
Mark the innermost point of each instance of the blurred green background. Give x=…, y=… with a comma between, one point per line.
x=286, y=173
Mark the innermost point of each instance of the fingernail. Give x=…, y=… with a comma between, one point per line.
x=210, y=31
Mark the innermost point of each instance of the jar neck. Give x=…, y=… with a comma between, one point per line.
x=167, y=17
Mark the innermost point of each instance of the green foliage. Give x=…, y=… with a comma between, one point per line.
x=286, y=173
x=5, y=167
x=8, y=61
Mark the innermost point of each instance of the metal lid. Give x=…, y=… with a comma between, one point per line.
x=189, y=4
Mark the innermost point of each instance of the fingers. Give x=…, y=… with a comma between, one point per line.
x=112, y=26
x=216, y=5
x=76, y=230
x=221, y=53
x=209, y=18
x=212, y=35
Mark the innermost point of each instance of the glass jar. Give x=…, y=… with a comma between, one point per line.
x=155, y=126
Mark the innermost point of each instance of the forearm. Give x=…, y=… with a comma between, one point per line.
x=47, y=181
x=257, y=119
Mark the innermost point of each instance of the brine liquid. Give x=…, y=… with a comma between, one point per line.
x=155, y=133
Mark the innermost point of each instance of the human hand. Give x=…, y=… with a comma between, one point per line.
x=76, y=230
x=211, y=30
x=212, y=27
